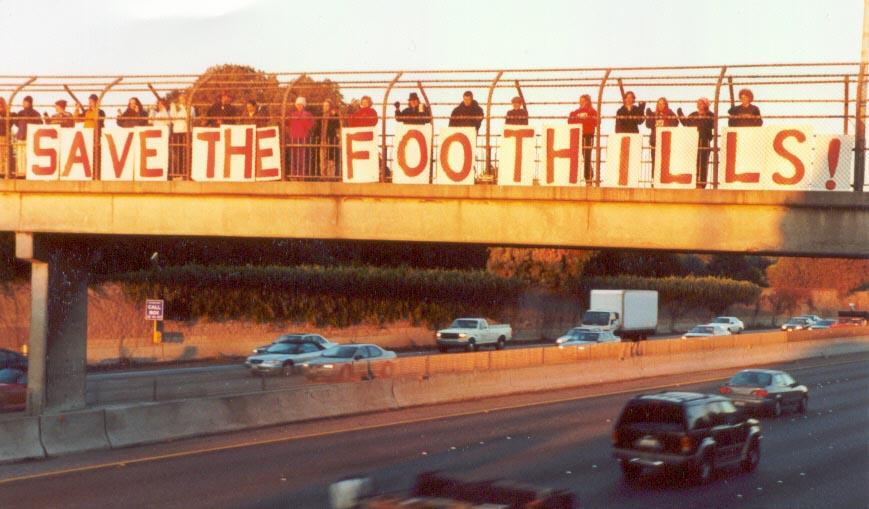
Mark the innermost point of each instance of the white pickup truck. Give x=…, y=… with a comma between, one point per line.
x=470, y=333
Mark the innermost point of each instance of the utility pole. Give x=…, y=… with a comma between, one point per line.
x=860, y=128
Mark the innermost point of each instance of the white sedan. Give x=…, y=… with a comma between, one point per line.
x=731, y=323
x=578, y=336
x=706, y=331
x=284, y=357
x=351, y=362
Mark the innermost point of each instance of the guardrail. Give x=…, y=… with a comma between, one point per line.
x=829, y=96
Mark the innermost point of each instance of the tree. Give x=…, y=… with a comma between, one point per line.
x=740, y=267
x=549, y=268
x=633, y=263
x=841, y=274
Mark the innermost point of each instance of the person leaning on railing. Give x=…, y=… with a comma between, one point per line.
x=468, y=113
x=365, y=116
x=630, y=116
x=178, y=110
x=4, y=139
x=326, y=135
x=159, y=114
x=298, y=127
x=663, y=116
x=587, y=117
x=61, y=117
x=93, y=117
x=222, y=111
x=134, y=116
x=517, y=114
x=23, y=118
x=704, y=121
x=745, y=114
x=416, y=113
x=254, y=115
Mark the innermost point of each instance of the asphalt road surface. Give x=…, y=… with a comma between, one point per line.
x=559, y=439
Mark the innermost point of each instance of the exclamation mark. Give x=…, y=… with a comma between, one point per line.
x=833, y=161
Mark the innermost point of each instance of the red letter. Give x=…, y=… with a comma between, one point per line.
x=362, y=154
x=245, y=150
x=145, y=153
x=730, y=174
x=799, y=169
x=467, y=155
x=624, y=160
x=38, y=151
x=520, y=135
x=666, y=149
x=211, y=138
x=119, y=162
x=263, y=134
x=423, y=153
x=572, y=152
x=78, y=154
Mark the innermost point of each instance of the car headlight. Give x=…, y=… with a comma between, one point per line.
x=438, y=335
x=463, y=335
x=560, y=340
x=305, y=365
x=327, y=366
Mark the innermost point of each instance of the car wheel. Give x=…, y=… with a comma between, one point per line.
x=500, y=344
x=803, y=406
x=704, y=469
x=752, y=457
x=289, y=369
x=631, y=472
x=776, y=409
x=472, y=345
x=442, y=349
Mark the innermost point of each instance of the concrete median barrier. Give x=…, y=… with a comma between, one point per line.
x=74, y=432
x=19, y=439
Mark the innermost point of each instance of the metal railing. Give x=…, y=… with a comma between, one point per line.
x=827, y=96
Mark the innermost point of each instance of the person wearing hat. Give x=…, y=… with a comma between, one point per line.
x=222, y=111
x=518, y=115
x=93, y=117
x=416, y=113
x=746, y=114
x=23, y=118
x=299, y=124
x=61, y=117
x=704, y=121
x=468, y=113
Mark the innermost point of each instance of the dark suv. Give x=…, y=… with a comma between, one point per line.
x=684, y=431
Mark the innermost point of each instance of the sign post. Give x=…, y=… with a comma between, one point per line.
x=154, y=312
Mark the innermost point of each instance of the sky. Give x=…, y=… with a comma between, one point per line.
x=175, y=36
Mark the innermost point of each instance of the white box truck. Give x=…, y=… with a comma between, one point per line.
x=629, y=314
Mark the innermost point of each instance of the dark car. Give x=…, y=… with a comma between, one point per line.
x=684, y=432
x=767, y=391
x=12, y=359
x=13, y=389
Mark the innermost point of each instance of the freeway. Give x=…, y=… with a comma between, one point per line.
x=559, y=439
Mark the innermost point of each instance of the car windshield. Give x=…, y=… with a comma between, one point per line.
x=653, y=412
x=286, y=348
x=596, y=318
x=464, y=324
x=797, y=321
x=583, y=335
x=9, y=376
x=752, y=378
x=341, y=352
x=289, y=338
x=721, y=320
x=702, y=330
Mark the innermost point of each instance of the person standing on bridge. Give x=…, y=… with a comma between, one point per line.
x=23, y=118
x=663, y=116
x=61, y=117
x=253, y=114
x=299, y=124
x=468, y=113
x=586, y=116
x=629, y=116
x=416, y=113
x=327, y=137
x=93, y=117
x=4, y=139
x=365, y=116
x=746, y=114
x=178, y=110
x=704, y=121
x=222, y=112
x=159, y=114
x=134, y=116
x=518, y=114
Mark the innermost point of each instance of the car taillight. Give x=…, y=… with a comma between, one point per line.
x=725, y=389
x=760, y=393
x=686, y=444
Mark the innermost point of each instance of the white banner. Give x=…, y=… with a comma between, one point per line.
x=207, y=155
x=624, y=152
x=152, y=157
x=832, y=163
x=456, y=156
x=268, y=154
x=676, y=157
x=516, y=156
x=562, y=163
x=412, y=161
x=359, y=160
x=43, y=152
x=119, y=153
x=76, y=149
x=744, y=154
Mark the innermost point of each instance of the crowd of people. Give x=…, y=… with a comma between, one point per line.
x=313, y=143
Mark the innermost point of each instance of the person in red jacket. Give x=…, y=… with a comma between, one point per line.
x=587, y=117
x=662, y=117
x=298, y=127
x=365, y=116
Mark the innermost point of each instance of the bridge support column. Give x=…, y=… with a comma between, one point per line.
x=57, y=348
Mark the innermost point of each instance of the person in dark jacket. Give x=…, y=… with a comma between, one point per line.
x=222, y=112
x=746, y=114
x=22, y=119
x=416, y=113
x=467, y=114
x=629, y=116
x=663, y=116
x=4, y=140
x=518, y=115
x=61, y=117
x=253, y=114
x=327, y=135
x=134, y=116
x=704, y=121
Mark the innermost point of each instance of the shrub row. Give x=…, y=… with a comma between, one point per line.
x=324, y=296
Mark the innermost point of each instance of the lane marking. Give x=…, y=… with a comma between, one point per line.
x=255, y=443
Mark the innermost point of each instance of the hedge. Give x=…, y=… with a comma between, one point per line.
x=323, y=296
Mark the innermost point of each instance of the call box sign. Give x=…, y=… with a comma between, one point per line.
x=154, y=309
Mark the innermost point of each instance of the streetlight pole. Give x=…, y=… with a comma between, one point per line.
x=860, y=128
